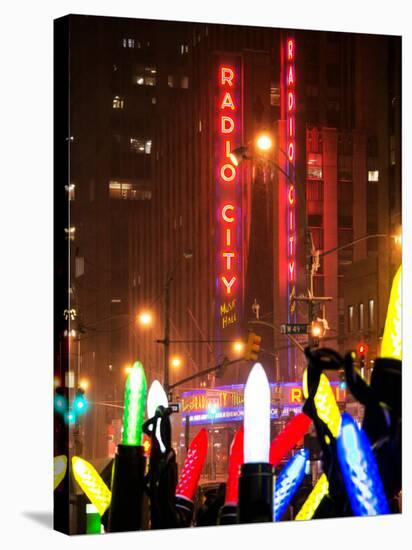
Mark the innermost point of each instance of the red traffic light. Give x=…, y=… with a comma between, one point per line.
x=362, y=349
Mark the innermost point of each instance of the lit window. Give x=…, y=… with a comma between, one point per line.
x=314, y=166
x=373, y=175
x=129, y=191
x=170, y=81
x=185, y=82
x=371, y=317
x=275, y=96
x=70, y=191
x=361, y=316
x=350, y=319
x=70, y=233
x=144, y=76
x=130, y=43
x=153, y=100
x=118, y=102
x=141, y=145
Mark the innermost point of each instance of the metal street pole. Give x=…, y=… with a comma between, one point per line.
x=166, y=336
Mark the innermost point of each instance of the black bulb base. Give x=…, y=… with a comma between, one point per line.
x=255, y=493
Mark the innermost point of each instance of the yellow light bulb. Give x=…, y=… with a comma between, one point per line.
x=92, y=484
x=325, y=403
x=314, y=499
x=392, y=334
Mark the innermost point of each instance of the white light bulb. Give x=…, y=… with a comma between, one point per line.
x=257, y=416
x=155, y=398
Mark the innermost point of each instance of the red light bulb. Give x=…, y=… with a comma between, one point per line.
x=192, y=467
x=235, y=462
x=287, y=439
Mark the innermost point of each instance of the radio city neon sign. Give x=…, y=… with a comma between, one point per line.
x=228, y=129
x=291, y=155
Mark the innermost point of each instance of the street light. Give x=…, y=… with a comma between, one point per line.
x=264, y=142
x=176, y=362
x=238, y=347
x=145, y=319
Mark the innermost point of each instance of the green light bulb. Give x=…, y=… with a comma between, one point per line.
x=134, y=405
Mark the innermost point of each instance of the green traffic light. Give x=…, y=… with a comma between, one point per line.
x=60, y=403
x=80, y=403
x=134, y=405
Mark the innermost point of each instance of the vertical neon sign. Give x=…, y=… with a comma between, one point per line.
x=228, y=194
x=290, y=109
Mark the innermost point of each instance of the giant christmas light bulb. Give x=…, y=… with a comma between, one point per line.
x=235, y=462
x=325, y=403
x=192, y=467
x=311, y=504
x=257, y=416
x=287, y=482
x=134, y=403
x=360, y=471
x=288, y=438
x=92, y=484
x=156, y=397
x=60, y=467
x=392, y=334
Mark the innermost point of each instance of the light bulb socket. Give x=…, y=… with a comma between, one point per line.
x=184, y=508
x=126, y=505
x=255, y=493
x=228, y=515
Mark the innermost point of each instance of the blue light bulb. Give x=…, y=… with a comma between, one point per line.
x=360, y=471
x=287, y=483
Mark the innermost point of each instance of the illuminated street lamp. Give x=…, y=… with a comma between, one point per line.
x=264, y=142
x=176, y=362
x=238, y=347
x=145, y=319
x=84, y=384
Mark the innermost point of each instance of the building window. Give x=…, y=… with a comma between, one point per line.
x=141, y=146
x=118, y=102
x=361, y=317
x=154, y=100
x=128, y=191
x=371, y=315
x=373, y=175
x=144, y=76
x=314, y=190
x=274, y=96
x=350, y=319
x=314, y=166
x=171, y=81
x=70, y=191
x=184, y=48
x=184, y=82
x=129, y=43
x=345, y=167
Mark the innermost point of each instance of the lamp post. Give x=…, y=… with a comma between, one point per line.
x=187, y=255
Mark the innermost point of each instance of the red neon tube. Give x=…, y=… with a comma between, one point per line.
x=287, y=439
x=235, y=462
x=192, y=467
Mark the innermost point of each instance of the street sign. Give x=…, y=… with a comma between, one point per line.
x=174, y=407
x=291, y=328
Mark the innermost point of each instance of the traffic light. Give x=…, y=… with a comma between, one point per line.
x=362, y=350
x=80, y=403
x=252, y=346
x=317, y=331
x=342, y=380
x=60, y=401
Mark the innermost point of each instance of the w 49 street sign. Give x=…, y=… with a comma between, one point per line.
x=294, y=328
